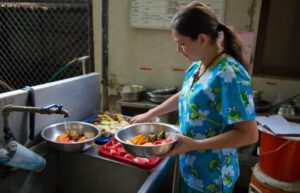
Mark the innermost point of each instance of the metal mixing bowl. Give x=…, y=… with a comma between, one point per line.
x=51, y=132
x=131, y=92
x=147, y=128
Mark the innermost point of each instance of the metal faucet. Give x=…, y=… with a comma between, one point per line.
x=51, y=109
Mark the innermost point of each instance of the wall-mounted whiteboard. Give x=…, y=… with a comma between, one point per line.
x=157, y=14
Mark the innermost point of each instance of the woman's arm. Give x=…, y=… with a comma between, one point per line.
x=243, y=133
x=171, y=104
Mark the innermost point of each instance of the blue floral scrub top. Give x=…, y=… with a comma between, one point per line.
x=222, y=96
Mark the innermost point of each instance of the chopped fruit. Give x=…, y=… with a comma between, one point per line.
x=114, y=152
x=128, y=156
x=141, y=160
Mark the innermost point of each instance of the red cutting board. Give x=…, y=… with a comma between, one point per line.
x=114, y=149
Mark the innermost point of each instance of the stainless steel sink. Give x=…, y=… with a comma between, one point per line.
x=86, y=172
x=89, y=172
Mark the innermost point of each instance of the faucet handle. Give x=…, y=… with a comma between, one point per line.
x=55, y=108
x=60, y=106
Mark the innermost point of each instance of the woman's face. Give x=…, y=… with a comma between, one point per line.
x=191, y=49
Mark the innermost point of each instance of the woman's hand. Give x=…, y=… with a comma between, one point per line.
x=145, y=117
x=243, y=133
x=170, y=105
x=183, y=145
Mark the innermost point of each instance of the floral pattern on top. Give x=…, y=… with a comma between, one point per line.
x=221, y=97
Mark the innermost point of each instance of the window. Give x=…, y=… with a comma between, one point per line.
x=277, y=53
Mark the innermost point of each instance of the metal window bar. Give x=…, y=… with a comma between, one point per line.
x=41, y=40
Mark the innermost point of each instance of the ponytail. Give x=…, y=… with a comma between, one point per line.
x=233, y=46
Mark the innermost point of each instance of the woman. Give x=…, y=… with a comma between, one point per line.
x=216, y=111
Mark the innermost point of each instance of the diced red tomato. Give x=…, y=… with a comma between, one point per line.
x=108, y=147
x=105, y=146
x=114, y=152
x=128, y=156
x=141, y=160
x=114, y=141
x=158, y=142
x=116, y=146
x=121, y=150
x=169, y=139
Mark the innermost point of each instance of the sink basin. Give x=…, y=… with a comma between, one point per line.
x=103, y=174
x=88, y=172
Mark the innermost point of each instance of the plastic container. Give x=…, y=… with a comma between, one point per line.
x=24, y=158
x=262, y=183
x=102, y=139
x=280, y=156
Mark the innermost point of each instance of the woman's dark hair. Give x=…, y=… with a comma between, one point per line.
x=197, y=18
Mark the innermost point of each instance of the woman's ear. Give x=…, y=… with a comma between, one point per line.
x=202, y=38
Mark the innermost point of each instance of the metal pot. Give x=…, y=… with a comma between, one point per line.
x=131, y=92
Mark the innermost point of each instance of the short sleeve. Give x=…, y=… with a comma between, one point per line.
x=235, y=95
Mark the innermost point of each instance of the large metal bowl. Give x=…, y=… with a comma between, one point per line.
x=51, y=132
x=130, y=131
